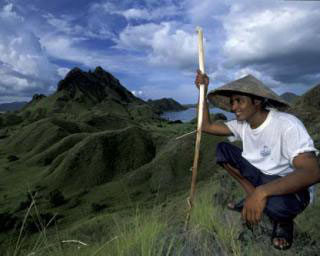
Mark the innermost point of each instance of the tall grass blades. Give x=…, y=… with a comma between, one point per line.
x=145, y=235
x=214, y=232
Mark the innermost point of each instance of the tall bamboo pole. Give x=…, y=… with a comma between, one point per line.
x=199, y=127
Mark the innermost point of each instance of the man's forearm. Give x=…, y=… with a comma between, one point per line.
x=292, y=183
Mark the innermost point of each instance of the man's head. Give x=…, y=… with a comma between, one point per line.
x=246, y=107
x=247, y=86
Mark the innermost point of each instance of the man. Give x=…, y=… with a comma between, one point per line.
x=278, y=162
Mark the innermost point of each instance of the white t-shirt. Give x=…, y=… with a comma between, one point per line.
x=273, y=145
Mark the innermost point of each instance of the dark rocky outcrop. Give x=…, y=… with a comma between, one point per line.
x=83, y=92
x=96, y=86
x=165, y=104
x=36, y=97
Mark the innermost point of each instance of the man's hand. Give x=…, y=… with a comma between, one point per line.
x=201, y=79
x=254, y=206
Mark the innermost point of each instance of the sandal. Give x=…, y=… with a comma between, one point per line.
x=282, y=230
x=237, y=206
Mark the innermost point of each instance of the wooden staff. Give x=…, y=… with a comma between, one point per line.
x=199, y=127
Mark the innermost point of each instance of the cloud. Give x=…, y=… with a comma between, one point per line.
x=279, y=40
x=63, y=71
x=64, y=24
x=24, y=65
x=140, y=94
x=136, y=14
x=146, y=11
x=68, y=49
x=163, y=44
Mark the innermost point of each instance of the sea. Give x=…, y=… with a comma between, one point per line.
x=190, y=113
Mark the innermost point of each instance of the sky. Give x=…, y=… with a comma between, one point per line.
x=151, y=45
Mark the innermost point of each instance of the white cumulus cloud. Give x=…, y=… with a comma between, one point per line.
x=23, y=62
x=165, y=45
x=267, y=32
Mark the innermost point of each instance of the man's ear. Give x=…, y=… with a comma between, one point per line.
x=257, y=102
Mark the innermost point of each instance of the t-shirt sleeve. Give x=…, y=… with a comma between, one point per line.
x=297, y=141
x=235, y=127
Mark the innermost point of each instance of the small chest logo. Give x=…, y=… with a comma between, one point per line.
x=265, y=151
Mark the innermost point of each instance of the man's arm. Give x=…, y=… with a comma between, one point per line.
x=207, y=126
x=306, y=173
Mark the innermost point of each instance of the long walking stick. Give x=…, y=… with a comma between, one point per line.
x=199, y=128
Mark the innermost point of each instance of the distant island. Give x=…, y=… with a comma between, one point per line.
x=165, y=104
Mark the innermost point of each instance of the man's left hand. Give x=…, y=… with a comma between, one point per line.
x=254, y=206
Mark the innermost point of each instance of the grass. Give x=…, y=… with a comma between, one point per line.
x=213, y=230
x=138, y=231
x=158, y=231
x=144, y=233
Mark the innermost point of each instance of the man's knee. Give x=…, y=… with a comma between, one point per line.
x=282, y=208
x=222, y=152
x=223, y=146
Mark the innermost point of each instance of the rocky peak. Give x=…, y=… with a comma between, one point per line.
x=97, y=86
x=38, y=97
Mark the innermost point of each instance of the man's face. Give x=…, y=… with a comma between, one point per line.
x=243, y=107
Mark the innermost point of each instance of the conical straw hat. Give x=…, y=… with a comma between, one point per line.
x=247, y=85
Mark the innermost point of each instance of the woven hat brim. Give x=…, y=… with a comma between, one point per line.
x=249, y=86
x=221, y=99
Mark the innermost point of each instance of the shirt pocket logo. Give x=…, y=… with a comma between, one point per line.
x=265, y=151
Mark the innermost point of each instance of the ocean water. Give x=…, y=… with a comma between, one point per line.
x=190, y=113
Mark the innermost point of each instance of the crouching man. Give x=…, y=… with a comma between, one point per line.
x=277, y=165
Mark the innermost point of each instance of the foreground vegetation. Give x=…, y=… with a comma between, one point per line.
x=159, y=230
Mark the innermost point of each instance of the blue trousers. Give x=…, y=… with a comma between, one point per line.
x=278, y=208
